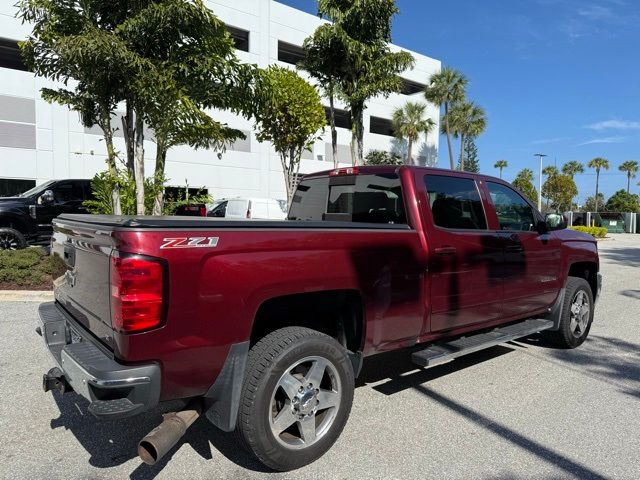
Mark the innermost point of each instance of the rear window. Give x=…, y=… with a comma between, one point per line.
x=350, y=198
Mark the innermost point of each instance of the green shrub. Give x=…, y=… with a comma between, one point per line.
x=30, y=267
x=598, y=232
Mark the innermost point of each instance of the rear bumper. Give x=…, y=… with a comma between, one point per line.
x=114, y=390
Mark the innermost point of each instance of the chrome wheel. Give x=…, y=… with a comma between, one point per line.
x=305, y=402
x=580, y=310
x=8, y=241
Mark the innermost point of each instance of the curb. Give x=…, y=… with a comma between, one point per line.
x=26, y=296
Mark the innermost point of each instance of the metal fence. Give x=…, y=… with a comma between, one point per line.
x=614, y=222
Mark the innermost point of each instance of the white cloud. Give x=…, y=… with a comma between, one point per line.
x=615, y=125
x=603, y=140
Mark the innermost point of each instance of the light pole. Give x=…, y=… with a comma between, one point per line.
x=540, y=155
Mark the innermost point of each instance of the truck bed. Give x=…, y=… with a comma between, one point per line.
x=188, y=223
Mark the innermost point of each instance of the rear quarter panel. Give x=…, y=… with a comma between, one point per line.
x=215, y=292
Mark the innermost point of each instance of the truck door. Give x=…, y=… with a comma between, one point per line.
x=67, y=198
x=532, y=260
x=465, y=257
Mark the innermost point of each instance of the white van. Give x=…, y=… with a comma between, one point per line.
x=256, y=208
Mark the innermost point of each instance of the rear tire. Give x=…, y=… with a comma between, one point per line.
x=11, y=239
x=296, y=397
x=576, y=315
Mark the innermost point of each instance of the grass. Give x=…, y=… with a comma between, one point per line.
x=29, y=269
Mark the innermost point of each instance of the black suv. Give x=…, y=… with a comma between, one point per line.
x=26, y=219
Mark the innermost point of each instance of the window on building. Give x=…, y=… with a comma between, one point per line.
x=342, y=117
x=289, y=53
x=10, y=187
x=455, y=202
x=240, y=38
x=410, y=87
x=381, y=126
x=514, y=213
x=10, y=55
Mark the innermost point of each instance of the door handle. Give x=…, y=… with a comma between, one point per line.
x=446, y=250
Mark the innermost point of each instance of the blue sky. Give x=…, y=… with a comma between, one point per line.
x=560, y=77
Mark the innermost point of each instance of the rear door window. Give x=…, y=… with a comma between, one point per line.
x=455, y=203
x=352, y=198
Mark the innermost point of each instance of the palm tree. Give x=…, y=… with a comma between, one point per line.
x=501, y=164
x=465, y=119
x=550, y=171
x=598, y=163
x=409, y=122
x=444, y=88
x=572, y=168
x=631, y=167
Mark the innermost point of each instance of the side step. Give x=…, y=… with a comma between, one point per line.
x=444, y=352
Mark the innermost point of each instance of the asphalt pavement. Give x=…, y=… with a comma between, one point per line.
x=516, y=411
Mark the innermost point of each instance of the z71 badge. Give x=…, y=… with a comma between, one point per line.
x=189, y=242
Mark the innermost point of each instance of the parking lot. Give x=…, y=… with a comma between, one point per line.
x=523, y=410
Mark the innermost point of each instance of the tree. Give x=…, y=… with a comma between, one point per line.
x=501, y=164
x=623, y=201
x=443, y=89
x=465, y=119
x=590, y=203
x=380, y=157
x=560, y=189
x=368, y=67
x=166, y=61
x=323, y=60
x=524, y=182
x=572, y=168
x=550, y=171
x=631, y=167
x=289, y=115
x=409, y=123
x=598, y=163
x=470, y=161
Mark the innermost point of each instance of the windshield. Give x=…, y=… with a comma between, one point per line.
x=352, y=198
x=37, y=189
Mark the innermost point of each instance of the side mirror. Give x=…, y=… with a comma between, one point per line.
x=554, y=221
x=47, y=197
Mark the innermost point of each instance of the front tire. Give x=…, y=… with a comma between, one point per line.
x=576, y=316
x=296, y=397
x=11, y=239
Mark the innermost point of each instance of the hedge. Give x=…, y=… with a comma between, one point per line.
x=598, y=232
x=29, y=268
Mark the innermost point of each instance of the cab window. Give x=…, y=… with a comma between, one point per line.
x=455, y=203
x=514, y=212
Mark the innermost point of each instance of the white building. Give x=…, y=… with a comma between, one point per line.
x=39, y=141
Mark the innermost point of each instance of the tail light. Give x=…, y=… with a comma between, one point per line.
x=137, y=293
x=203, y=211
x=344, y=171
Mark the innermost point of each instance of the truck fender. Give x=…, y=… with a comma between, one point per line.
x=222, y=400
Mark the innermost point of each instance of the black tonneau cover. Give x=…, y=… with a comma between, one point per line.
x=185, y=223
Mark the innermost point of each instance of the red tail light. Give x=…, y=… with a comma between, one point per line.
x=344, y=171
x=203, y=211
x=137, y=287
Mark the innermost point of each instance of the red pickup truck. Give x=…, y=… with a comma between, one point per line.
x=262, y=326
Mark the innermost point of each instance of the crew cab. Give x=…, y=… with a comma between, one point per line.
x=26, y=219
x=262, y=326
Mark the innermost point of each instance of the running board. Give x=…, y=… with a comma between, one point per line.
x=444, y=352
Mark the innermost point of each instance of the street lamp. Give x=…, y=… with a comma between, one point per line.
x=540, y=155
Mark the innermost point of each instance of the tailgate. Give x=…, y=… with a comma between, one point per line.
x=83, y=291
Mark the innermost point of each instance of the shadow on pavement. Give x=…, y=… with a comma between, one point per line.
x=606, y=359
x=544, y=453
x=629, y=256
x=112, y=443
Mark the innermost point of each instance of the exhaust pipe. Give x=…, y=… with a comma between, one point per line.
x=162, y=438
